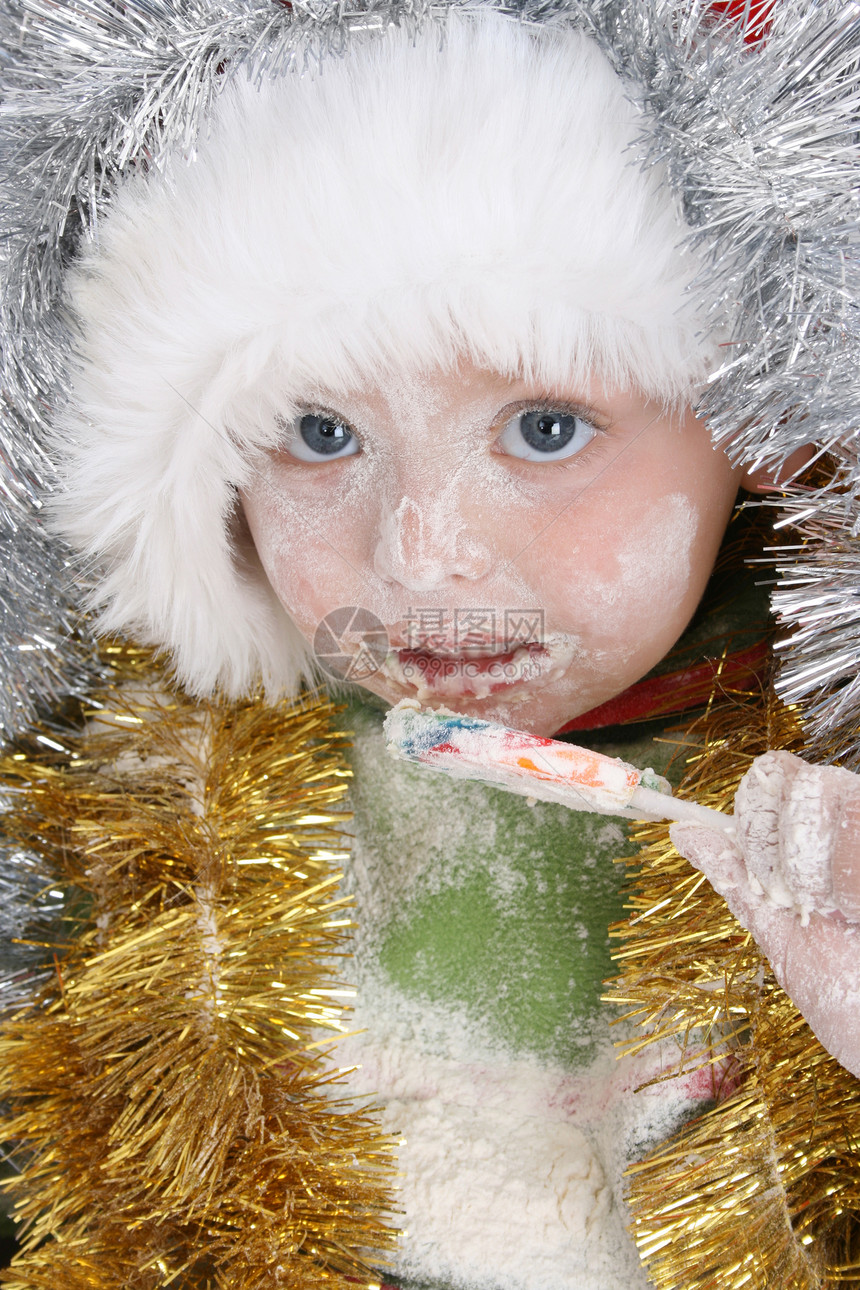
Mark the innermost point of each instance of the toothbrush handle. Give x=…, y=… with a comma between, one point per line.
x=659, y=806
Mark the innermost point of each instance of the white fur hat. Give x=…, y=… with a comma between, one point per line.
x=474, y=188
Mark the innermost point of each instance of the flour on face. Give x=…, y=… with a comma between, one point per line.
x=608, y=548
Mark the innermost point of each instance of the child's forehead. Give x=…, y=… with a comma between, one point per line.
x=468, y=386
x=466, y=393
x=415, y=406
x=460, y=376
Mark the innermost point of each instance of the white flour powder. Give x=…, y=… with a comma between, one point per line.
x=511, y=1165
x=503, y=1184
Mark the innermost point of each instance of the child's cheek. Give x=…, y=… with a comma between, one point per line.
x=625, y=574
x=311, y=553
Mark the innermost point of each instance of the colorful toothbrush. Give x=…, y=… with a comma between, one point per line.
x=546, y=769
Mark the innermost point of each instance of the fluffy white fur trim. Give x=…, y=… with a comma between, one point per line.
x=472, y=189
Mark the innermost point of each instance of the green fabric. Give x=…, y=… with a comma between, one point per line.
x=508, y=916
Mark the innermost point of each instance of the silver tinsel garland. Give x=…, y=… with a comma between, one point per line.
x=32, y=921
x=759, y=138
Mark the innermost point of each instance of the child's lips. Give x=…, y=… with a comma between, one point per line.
x=474, y=675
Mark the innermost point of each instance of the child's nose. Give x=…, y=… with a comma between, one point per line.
x=424, y=546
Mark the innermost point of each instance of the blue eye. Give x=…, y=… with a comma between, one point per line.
x=545, y=435
x=320, y=436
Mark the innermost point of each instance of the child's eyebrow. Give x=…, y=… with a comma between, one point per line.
x=555, y=400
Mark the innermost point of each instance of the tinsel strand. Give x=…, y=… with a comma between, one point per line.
x=763, y=1190
x=170, y=1093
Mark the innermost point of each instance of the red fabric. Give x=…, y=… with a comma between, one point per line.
x=676, y=692
x=755, y=14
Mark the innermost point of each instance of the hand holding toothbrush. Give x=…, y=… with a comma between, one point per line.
x=787, y=862
x=791, y=875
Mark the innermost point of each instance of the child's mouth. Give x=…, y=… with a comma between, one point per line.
x=478, y=676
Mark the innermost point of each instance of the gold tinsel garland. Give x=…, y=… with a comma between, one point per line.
x=763, y=1190
x=170, y=1102
x=168, y=1094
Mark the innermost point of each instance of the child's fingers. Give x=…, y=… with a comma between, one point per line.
x=793, y=819
x=774, y=926
x=718, y=858
x=817, y=962
x=846, y=856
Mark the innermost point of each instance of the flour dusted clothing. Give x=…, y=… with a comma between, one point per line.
x=481, y=950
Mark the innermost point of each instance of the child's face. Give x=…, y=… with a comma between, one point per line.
x=531, y=552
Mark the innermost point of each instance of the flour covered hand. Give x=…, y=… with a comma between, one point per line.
x=791, y=875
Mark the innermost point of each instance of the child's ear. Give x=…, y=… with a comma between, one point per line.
x=766, y=481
